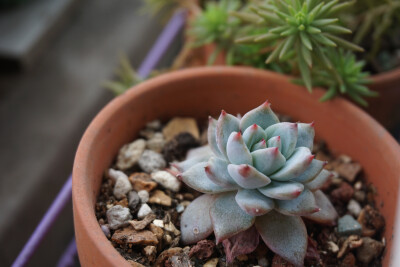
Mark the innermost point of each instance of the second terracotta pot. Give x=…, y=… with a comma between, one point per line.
x=200, y=92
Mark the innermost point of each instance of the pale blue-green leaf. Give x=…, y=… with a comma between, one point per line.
x=226, y=124
x=194, y=156
x=196, y=222
x=237, y=151
x=228, y=218
x=260, y=145
x=217, y=171
x=197, y=179
x=305, y=135
x=304, y=204
x=319, y=180
x=275, y=142
x=253, y=134
x=284, y=235
x=247, y=176
x=253, y=202
x=295, y=165
x=282, y=190
x=268, y=160
x=288, y=133
x=311, y=172
x=327, y=214
x=263, y=116
x=211, y=135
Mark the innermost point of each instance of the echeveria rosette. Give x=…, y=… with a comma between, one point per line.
x=260, y=173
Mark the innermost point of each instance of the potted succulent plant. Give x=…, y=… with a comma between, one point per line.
x=302, y=39
x=344, y=127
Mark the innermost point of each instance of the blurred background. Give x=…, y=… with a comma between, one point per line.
x=55, y=56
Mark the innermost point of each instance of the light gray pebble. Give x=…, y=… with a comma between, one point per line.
x=118, y=216
x=354, y=208
x=347, y=225
x=151, y=161
x=134, y=199
x=263, y=262
x=144, y=211
x=122, y=185
x=106, y=230
x=180, y=208
x=144, y=196
x=129, y=154
x=156, y=142
x=167, y=180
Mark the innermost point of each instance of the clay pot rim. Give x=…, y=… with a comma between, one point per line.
x=83, y=205
x=386, y=76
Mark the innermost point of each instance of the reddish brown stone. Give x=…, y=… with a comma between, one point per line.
x=278, y=261
x=165, y=255
x=203, y=249
x=349, y=171
x=128, y=235
x=342, y=194
x=142, y=181
x=140, y=225
x=348, y=261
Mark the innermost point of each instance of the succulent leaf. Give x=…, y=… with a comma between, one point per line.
x=305, y=135
x=222, y=211
x=284, y=235
x=226, y=124
x=295, y=165
x=275, y=142
x=260, y=145
x=194, y=156
x=253, y=134
x=211, y=135
x=288, y=133
x=311, y=172
x=237, y=151
x=216, y=171
x=247, y=176
x=197, y=179
x=196, y=221
x=327, y=214
x=282, y=190
x=268, y=160
x=253, y=202
x=319, y=180
x=304, y=204
x=262, y=115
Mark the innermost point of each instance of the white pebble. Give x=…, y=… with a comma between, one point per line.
x=130, y=154
x=118, y=216
x=354, y=208
x=358, y=185
x=167, y=180
x=144, y=196
x=180, y=208
x=159, y=223
x=144, y=211
x=151, y=161
x=332, y=247
x=122, y=185
x=156, y=142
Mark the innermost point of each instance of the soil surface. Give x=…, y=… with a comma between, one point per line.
x=141, y=201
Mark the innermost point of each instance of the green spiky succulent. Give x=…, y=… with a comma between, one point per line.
x=347, y=78
x=215, y=25
x=300, y=30
x=257, y=183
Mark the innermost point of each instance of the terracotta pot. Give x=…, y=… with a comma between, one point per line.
x=199, y=92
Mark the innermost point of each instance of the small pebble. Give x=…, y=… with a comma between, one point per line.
x=150, y=252
x=159, y=223
x=159, y=197
x=142, y=181
x=211, y=263
x=354, y=208
x=358, y=185
x=106, y=230
x=369, y=250
x=263, y=262
x=130, y=236
x=180, y=208
x=154, y=125
x=347, y=225
x=144, y=196
x=170, y=227
x=359, y=196
x=151, y=161
x=144, y=211
x=167, y=180
x=133, y=199
x=122, y=185
x=156, y=142
x=342, y=194
x=129, y=154
x=181, y=125
x=349, y=171
x=118, y=216
x=157, y=231
x=332, y=247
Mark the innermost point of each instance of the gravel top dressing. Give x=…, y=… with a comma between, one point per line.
x=141, y=202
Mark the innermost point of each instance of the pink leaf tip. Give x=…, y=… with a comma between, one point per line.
x=244, y=170
x=312, y=124
x=254, y=126
x=310, y=158
x=223, y=113
x=266, y=104
x=179, y=176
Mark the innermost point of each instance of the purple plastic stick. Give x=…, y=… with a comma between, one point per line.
x=62, y=199
x=164, y=40
x=64, y=196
